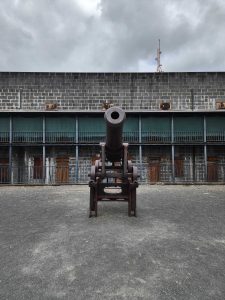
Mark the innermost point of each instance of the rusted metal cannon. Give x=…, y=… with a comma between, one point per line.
x=113, y=177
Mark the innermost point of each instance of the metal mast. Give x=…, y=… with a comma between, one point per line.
x=159, y=66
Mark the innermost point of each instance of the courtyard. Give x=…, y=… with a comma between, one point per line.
x=174, y=249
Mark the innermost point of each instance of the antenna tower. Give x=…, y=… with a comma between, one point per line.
x=159, y=66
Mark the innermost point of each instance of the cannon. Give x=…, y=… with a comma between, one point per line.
x=113, y=177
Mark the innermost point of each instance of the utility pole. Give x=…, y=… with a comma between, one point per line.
x=159, y=66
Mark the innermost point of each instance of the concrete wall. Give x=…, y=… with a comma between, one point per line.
x=132, y=91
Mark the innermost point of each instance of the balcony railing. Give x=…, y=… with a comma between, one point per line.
x=91, y=137
x=131, y=137
x=4, y=137
x=27, y=137
x=188, y=137
x=60, y=137
x=153, y=137
x=215, y=136
x=156, y=136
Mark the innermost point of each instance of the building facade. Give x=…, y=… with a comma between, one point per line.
x=51, y=125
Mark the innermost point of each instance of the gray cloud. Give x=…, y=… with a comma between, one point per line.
x=58, y=35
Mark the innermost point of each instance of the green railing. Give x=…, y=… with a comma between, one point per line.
x=94, y=137
x=131, y=137
x=156, y=136
x=60, y=137
x=4, y=137
x=27, y=137
x=188, y=137
x=91, y=137
x=215, y=136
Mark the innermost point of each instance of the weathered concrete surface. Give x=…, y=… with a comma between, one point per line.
x=174, y=249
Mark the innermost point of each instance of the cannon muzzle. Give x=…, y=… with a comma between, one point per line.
x=114, y=117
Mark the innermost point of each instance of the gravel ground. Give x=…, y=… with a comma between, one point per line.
x=174, y=249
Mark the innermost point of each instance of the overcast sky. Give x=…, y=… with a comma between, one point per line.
x=112, y=35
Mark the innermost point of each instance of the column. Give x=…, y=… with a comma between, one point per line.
x=205, y=150
x=140, y=145
x=172, y=149
x=43, y=150
x=77, y=151
x=10, y=149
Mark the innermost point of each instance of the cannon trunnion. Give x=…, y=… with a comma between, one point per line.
x=113, y=177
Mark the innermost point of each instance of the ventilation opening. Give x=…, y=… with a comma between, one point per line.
x=115, y=115
x=220, y=105
x=165, y=106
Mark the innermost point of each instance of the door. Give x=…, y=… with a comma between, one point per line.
x=212, y=169
x=38, y=168
x=179, y=167
x=62, y=169
x=154, y=170
x=4, y=170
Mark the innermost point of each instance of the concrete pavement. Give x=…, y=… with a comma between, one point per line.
x=174, y=249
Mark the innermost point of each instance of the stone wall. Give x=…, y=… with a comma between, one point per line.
x=132, y=91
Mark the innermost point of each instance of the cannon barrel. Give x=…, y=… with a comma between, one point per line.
x=115, y=181
x=114, y=117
